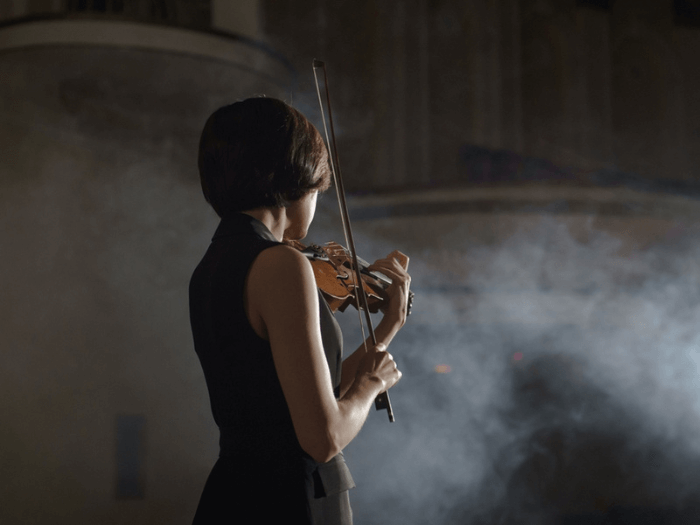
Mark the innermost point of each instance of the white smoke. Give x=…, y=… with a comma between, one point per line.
x=572, y=357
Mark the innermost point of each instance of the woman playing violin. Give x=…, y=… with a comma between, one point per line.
x=269, y=345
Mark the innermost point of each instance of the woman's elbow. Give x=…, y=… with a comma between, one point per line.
x=324, y=457
x=321, y=450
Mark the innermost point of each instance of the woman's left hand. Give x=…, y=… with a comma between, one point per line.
x=395, y=266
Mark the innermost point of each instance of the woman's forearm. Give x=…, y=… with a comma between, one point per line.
x=353, y=409
x=384, y=332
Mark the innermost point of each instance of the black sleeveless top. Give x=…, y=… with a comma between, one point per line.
x=261, y=461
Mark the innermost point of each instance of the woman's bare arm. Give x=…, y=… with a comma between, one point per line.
x=384, y=332
x=281, y=290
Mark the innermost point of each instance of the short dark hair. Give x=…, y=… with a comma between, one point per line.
x=259, y=152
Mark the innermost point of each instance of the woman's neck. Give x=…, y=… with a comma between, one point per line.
x=275, y=219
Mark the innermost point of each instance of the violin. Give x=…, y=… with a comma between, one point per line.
x=335, y=277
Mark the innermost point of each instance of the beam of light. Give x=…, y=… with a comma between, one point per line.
x=443, y=369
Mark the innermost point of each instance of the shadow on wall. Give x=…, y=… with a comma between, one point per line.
x=585, y=458
x=487, y=166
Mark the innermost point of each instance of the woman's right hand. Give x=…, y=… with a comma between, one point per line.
x=379, y=366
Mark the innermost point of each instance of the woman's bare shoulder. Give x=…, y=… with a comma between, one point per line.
x=282, y=262
x=282, y=253
x=282, y=273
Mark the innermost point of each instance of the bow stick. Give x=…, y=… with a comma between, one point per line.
x=382, y=401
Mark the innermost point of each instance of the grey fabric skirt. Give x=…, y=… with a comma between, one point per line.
x=331, y=501
x=334, y=510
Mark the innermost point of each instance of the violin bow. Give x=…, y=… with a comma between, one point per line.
x=382, y=401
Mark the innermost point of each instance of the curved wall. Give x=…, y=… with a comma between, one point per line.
x=106, y=410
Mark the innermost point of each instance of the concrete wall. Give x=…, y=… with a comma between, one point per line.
x=583, y=87
x=102, y=224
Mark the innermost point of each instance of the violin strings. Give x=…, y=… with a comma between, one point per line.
x=362, y=328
